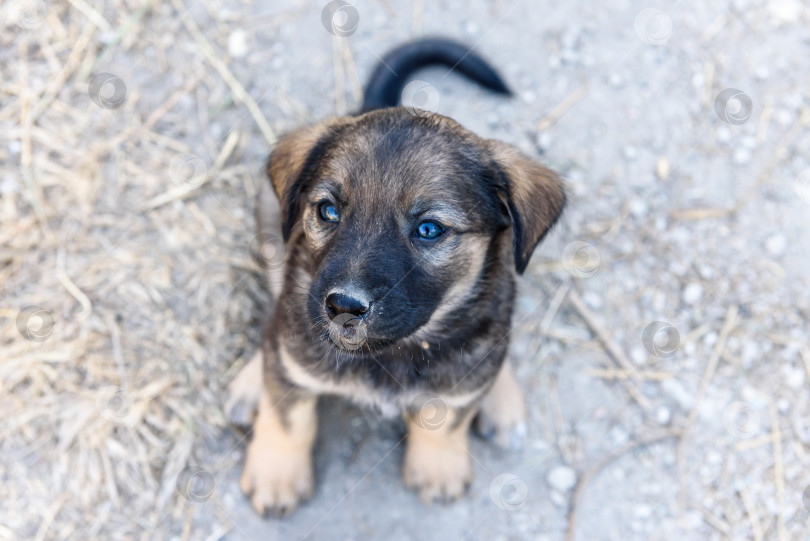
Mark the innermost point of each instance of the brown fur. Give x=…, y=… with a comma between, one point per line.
x=437, y=462
x=439, y=313
x=278, y=466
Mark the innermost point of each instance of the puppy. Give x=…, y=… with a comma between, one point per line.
x=403, y=233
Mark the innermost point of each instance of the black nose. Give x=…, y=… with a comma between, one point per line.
x=338, y=303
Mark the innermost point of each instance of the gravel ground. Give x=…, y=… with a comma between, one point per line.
x=661, y=335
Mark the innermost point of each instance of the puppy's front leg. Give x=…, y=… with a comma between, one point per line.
x=278, y=467
x=502, y=414
x=245, y=391
x=437, y=462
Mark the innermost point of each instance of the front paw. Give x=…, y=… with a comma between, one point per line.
x=507, y=431
x=439, y=470
x=245, y=391
x=276, y=480
x=502, y=413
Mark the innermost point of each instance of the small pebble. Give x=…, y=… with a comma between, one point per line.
x=754, y=397
x=638, y=355
x=642, y=511
x=794, y=377
x=615, y=80
x=569, y=39
x=630, y=152
x=751, y=353
x=562, y=478
x=544, y=139
x=9, y=185
x=638, y=208
x=677, y=392
x=714, y=458
x=692, y=293
x=663, y=416
x=678, y=268
x=762, y=73
x=706, y=272
x=776, y=244
x=785, y=11
x=742, y=156
x=723, y=134
x=662, y=168
x=557, y=498
x=794, y=100
x=784, y=118
x=618, y=436
x=569, y=56
x=592, y=299
x=237, y=43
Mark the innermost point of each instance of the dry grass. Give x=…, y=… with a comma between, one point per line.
x=140, y=260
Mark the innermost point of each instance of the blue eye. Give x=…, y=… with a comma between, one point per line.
x=328, y=212
x=429, y=230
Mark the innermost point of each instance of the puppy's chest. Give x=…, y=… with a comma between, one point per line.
x=387, y=395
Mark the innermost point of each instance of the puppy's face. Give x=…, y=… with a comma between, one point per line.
x=399, y=215
x=395, y=217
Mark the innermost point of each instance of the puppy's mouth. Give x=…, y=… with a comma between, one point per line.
x=348, y=332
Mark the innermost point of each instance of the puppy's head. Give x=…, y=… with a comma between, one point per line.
x=400, y=216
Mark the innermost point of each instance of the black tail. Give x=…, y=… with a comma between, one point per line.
x=384, y=88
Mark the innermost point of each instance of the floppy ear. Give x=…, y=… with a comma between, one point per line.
x=533, y=194
x=290, y=165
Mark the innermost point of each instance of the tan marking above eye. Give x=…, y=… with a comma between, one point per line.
x=328, y=188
